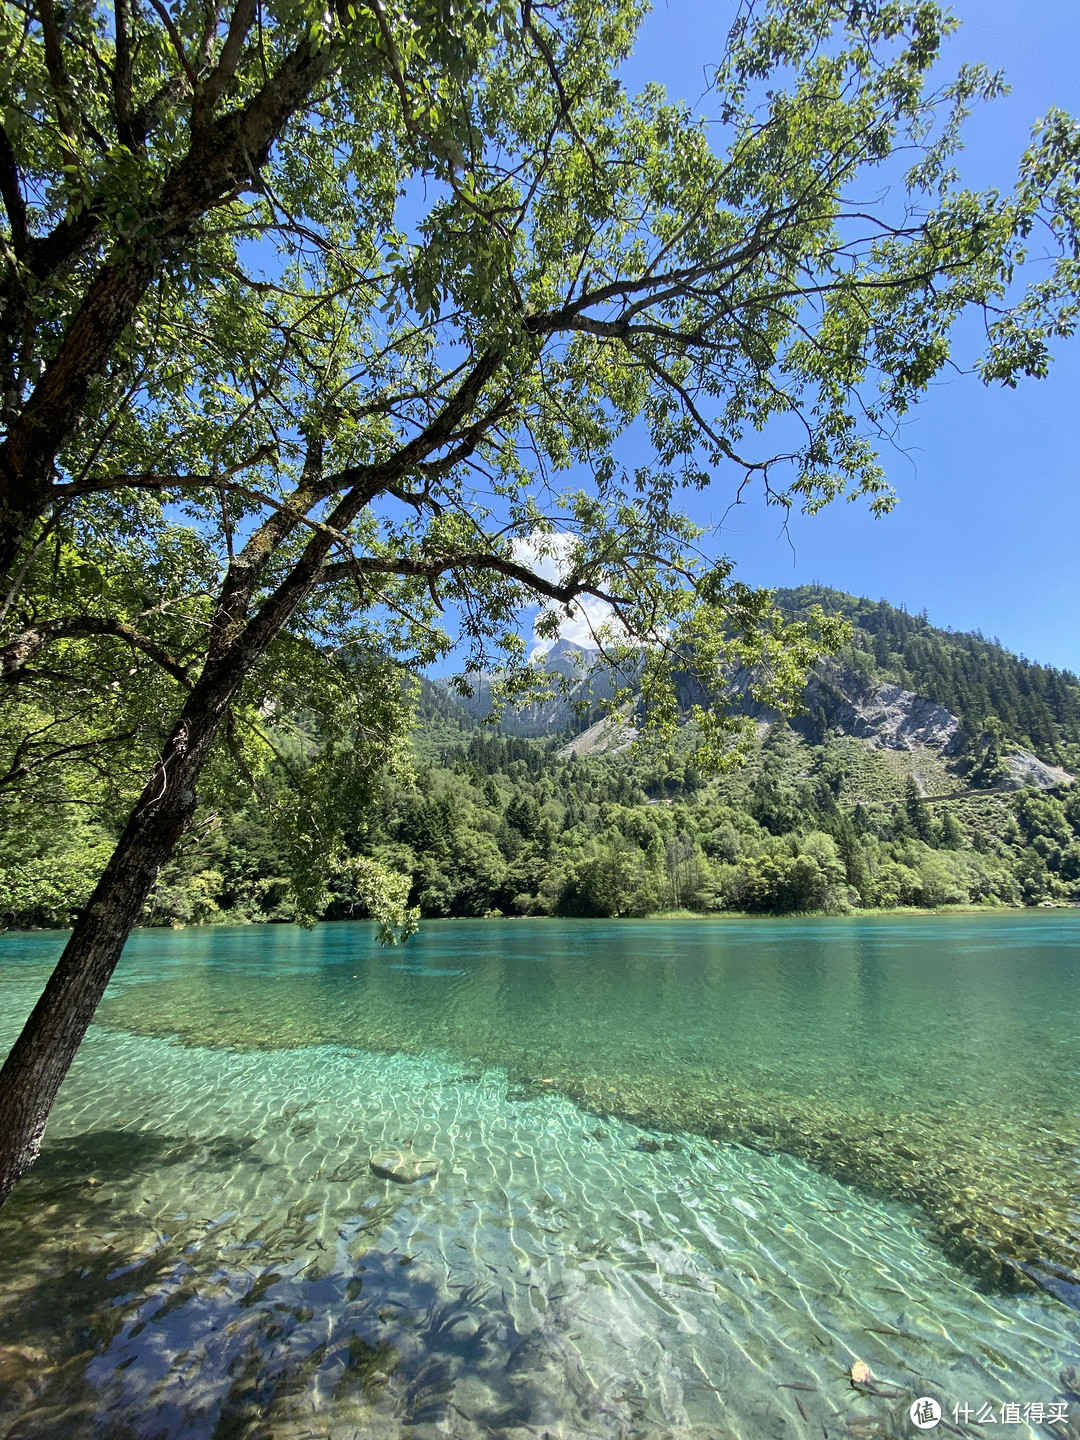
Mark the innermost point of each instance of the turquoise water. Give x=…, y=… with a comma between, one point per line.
x=624, y=1237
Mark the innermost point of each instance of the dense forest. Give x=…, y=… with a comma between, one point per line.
x=486, y=822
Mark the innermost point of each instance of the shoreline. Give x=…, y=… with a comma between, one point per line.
x=869, y=913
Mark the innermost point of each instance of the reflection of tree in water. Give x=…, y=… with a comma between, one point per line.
x=109, y=1321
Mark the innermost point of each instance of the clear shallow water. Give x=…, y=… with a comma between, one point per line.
x=203, y=1249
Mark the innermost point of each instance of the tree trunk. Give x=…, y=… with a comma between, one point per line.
x=39, y=1060
x=35, y=1068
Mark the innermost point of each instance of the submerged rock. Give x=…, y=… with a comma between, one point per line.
x=402, y=1166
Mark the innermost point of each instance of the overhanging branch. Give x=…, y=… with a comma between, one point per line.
x=566, y=593
x=17, y=654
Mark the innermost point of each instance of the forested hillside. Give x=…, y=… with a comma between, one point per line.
x=1037, y=707
x=870, y=798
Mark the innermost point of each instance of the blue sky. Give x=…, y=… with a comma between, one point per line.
x=987, y=532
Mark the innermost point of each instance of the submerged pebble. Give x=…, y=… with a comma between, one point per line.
x=402, y=1166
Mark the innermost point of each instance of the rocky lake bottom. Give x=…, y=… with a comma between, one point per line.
x=672, y=1179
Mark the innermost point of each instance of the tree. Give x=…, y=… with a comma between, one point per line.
x=318, y=303
x=919, y=817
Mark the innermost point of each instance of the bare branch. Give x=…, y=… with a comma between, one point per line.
x=246, y=568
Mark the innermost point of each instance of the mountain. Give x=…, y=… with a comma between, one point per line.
x=925, y=769
x=576, y=679
x=877, y=796
x=901, y=684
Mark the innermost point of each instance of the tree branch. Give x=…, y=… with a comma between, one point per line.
x=121, y=73
x=16, y=655
x=565, y=593
x=245, y=569
x=361, y=484
x=177, y=44
x=223, y=155
x=11, y=192
x=54, y=64
x=29, y=757
x=243, y=17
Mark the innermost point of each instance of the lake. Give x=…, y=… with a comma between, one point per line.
x=677, y=1178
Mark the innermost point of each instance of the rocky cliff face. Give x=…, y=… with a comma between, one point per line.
x=891, y=718
x=888, y=718
x=1027, y=769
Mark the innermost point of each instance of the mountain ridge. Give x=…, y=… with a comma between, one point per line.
x=899, y=678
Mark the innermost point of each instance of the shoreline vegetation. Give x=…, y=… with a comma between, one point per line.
x=899, y=912
x=927, y=771
x=494, y=825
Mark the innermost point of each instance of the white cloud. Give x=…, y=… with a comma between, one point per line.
x=546, y=556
